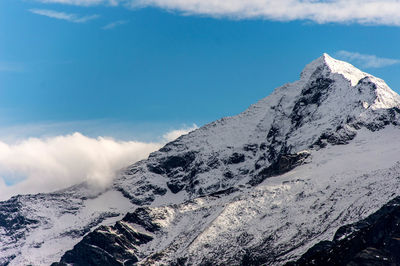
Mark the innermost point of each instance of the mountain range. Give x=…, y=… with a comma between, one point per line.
x=309, y=175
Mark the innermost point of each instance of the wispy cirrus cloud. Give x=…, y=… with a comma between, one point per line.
x=376, y=12
x=114, y=24
x=63, y=16
x=83, y=2
x=366, y=60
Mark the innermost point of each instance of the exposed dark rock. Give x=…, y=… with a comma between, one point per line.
x=181, y=261
x=140, y=200
x=339, y=137
x=236, y=158
x=263, y=146
x=273, y=131
x=224, y=192
x=244, y=238
x=283, y=164
x=262, y=161
x=180, y=169
x=366, y=83
x=213, y=162
x=228, y=175
x=372, y=241
x=157, y=169
x=244, y=171
x=159, y=191
x=173, y=162
x=141, y=216
x=251, y=147
x=114, y=245
x=11, y=218
x=170, y=163
x=101, y=247
x=133, y=236
x=175, y=186
x=314, y=94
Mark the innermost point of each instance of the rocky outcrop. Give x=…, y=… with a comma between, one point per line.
x=112, y=245
x=284, y=163
x=372, y=241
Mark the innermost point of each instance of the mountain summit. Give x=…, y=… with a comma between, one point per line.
x=382, y=95
x=261, y=187
x=330, y=66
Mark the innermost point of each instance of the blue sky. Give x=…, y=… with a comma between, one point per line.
x=145, y=71
x=155, y=68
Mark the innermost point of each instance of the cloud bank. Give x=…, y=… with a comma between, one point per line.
x=42, y=165
x=375, y=12
x=366, y=60
x=63, y=16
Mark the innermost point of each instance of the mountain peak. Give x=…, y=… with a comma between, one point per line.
x=328, y=65
x=381, y=96
x=235, y=171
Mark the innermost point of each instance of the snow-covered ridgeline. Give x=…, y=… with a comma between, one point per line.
x=332, y=103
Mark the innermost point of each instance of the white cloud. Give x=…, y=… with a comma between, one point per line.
x=174, y=134
x=46, y=164
x=63, y=16
x=386, y=12
x=114, y=24
x=82, y=2
x=381, y=12
x=366, y=60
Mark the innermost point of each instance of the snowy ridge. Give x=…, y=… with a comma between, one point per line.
x=322, y=107
x=259, y=187
x=331, y=65
x=385, y=97
x=39, y=229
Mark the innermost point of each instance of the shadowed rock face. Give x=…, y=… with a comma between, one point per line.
x=112, y=245
x=284, y=163
x=372, y=241
x=11, y=218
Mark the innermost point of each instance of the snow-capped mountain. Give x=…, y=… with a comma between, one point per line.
x=261, y=187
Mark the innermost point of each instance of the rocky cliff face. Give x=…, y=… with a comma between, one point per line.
x=261, y=187
x=371, y=241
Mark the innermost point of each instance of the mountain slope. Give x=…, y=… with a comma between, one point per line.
x=371, y=241
x=325, y=106
x=38, y=229
x=282, y=217
x=259, y=187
